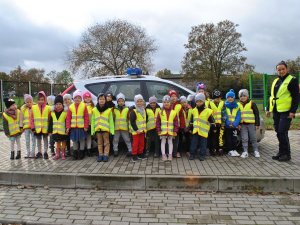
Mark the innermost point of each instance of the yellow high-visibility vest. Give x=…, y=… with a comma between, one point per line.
x=121, y=119
x=283, y=99
x=26, y=122
x=140, y=122
x=59, y=125
x=247, y=113
x=201, y=125
x=151, y=123
x=13, y=124
x=167, y=125
x=187, y=116
x=231, y=115
x=90, y=111
x=217, y=111
x=41, y=118
x=102, y=119
x=77, y=120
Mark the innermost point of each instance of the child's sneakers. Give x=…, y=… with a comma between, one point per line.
x=100, y=158
x=164, y=158
x=170, y=157
x=244, y=155
x=233, y=153
x=256, y=154
x=134, y=158
x=39, y=155
x=105, y=158
x=46, y=155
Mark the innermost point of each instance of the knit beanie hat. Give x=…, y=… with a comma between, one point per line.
x=190, y=97
x=138, y=97
x=200, y=97
x=59, y=99
x=152, y=99
x=199, y=86
x=8, y=102
x=243, y=92
x=230, y=93
x=172, y=92
x=27, y=97
x=182, y=99
x=216, y=94
x=120, y=95
x=67, y=96
x=50, y=99
x=86, y=94
x=166, y=98
x=77, y=93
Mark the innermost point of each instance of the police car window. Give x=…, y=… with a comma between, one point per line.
x=157, y=89
x=95, y=88
x=129, y=89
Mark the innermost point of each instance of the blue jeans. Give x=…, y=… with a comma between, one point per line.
x=202, y=142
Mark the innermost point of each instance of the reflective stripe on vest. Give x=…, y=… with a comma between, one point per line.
x=283, y=99
x=102, y=119
x=217, y=111
x=121, y=121
x=25, y=112
x=201, y=124
x=167, y=125
x=247, y=113
x=232, y=115
x=151, y=123
x=41, y=118
x=140, y=122
x=90, y=110
x=59, y=125
x=13, y=124
x=77, y=120
x=187, y=116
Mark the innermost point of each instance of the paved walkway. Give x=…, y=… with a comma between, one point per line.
x=78, y=206
x=212, y=166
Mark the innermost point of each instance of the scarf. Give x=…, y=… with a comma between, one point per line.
x=231, y=105
x=12, y=113
x=102, y=108
x=141, y=110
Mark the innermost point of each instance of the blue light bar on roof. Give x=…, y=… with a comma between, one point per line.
x=134, y=71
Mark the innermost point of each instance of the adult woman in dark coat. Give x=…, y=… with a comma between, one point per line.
x=283, y=103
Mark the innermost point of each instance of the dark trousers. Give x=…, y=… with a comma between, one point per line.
x=152, y=137
x=200, y=141
x=282, y=125
x=216, y=137
x=231, y=138
x=184, y=141
x=175, y=146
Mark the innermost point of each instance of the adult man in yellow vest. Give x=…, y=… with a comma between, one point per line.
x=283, y=103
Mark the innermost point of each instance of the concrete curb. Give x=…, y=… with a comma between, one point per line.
x=153, y=182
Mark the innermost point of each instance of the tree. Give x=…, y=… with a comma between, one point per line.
x=294, y=65
x=164, y=72
x=111, y=48
x=63, y=77
x=212, y=51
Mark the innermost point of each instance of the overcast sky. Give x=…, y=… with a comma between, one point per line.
x=39, y=33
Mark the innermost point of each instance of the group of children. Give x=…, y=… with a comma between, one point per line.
x=192, y=124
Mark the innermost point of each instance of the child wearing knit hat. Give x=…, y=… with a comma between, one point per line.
x=185, y=136
x=57, y=127
x=250, y=122
x=137, y=127
x=77, y=123
x=11, y=126
x=232, y=121
x=87, y=99
x=167, y=127
x=25, y=117
x=152, y=110
x=120, y=113
x=67, y=102
x=50, y=102
x=201, y=121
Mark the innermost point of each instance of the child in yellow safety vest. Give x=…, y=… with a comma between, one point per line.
x=232, y=121
x=201, y=121
x=250, y=122
x=152, y=110
x=217, y=134
x=185, y=137
x=11, y=126
x=167, y=127
x=77, y=124
x=67, y=103
x=120, y=114
x=137, y=126
x=39, y=124
x=25, y=118
x=102, y=125
x=87, y=98
x=50, y=102
x=57, y=127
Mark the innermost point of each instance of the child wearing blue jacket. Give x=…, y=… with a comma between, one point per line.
x=232, y=121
